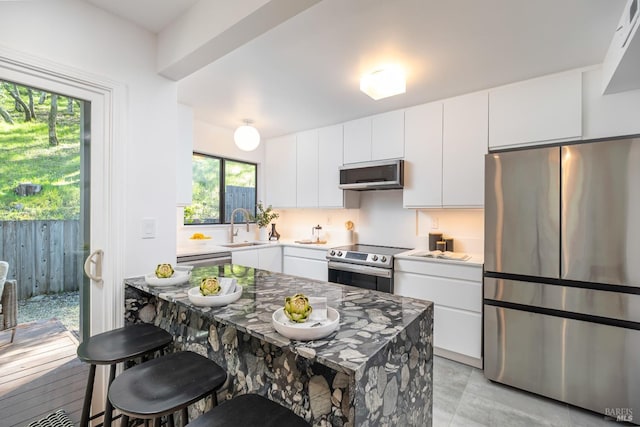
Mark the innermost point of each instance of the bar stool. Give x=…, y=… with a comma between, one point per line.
x=165, y=385
x=112, y=347
x=249, y=410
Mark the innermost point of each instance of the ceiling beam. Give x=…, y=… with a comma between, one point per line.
x=211, y=29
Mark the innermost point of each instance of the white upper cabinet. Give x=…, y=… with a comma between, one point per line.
x=280, y=171
x=536, y=111
x=329, y=162
x=423, y=156
x=463, y=148
x=378, y=137
x=387, y=136
x=307, y=169
x=616, y=114
x=184, y=154
x=357, y=141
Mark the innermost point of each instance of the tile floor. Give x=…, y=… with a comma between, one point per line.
x=463, y=397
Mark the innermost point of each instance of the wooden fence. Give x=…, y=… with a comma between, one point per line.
x=239, y=197
x=44, y=256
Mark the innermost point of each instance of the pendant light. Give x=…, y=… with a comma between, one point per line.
x=246, y=137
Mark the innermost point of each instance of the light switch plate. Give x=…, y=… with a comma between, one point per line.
x=148, y=228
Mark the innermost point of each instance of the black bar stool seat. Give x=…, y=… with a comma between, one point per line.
x=112, y=347
x=165, y=385
x=249, y=410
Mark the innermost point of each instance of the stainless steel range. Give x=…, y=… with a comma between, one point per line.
x=363, y=266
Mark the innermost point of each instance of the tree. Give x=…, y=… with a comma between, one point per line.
x=13, y=91
x=3, y=113
x=53, y=114
x=31, y=109
x=69, y=105
x=43, y=97
x=7, y=118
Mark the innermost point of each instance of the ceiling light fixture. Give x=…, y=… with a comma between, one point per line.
x=246, y=137
x=384, y=82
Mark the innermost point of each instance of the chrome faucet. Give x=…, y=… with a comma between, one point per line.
x=247, y=217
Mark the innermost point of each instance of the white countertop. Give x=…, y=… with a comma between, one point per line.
x=198, y=247
x=418, y=255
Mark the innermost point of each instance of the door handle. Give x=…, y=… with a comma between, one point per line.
x=96, y=259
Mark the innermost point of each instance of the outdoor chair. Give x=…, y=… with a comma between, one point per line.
x=8, y=301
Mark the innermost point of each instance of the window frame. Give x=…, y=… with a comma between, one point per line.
x=221, y=178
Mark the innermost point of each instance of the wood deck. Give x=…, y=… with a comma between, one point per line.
x=40, y=373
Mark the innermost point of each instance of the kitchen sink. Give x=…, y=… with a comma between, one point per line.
x=244, y=244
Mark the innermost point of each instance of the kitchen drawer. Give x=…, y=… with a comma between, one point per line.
x=458, y=331
x=319, y=254
x=440, y=268
x=443, y=291
x=304, y=267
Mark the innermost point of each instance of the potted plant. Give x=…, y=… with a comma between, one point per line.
x=263, y=219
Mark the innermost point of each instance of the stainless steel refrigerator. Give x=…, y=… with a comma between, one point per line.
x=562, y=273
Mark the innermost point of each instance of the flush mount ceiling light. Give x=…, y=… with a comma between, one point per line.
x=384, y=82
x=247, y=137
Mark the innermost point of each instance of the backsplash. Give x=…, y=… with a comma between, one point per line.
x=381, y=220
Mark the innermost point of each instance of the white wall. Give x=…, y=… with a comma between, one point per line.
x=77, y=35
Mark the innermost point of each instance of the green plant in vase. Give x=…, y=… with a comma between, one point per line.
x=265, y=216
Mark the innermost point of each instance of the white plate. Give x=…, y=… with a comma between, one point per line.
x=179, y=276
x=305, y=331
x=197, y=298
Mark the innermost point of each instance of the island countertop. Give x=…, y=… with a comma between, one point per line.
x=369, y=320
x=376, y=368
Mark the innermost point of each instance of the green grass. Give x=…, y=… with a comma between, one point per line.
x=26, y=156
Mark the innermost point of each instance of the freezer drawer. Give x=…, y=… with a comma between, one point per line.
x=522, y=210
x=590, y=302
x=586, y=364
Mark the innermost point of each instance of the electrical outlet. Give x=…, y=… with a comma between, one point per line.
x=435, y=223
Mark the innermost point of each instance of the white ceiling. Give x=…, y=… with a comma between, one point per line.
x=152, y=15
x=305, y=72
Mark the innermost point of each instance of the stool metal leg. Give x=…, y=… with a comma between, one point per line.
x=156, y=422
x=108, y=408
x=171, y=421
x=124, y=421
x=88, y=394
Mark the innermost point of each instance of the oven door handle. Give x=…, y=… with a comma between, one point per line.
x=362, y=269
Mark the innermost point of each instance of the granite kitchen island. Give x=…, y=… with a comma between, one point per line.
x=375, y=370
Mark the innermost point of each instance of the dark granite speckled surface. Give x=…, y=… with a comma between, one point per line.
x=376, y=369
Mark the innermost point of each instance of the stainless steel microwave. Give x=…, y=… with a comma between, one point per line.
x=378, y=175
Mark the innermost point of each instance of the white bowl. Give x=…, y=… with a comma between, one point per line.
x=305, y=331
x=197, y=298
x=179, y=276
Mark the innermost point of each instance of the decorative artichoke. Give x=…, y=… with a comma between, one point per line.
x=297, y=308
x=164, y=271
x=209, y=286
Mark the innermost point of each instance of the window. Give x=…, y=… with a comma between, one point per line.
x=220, y=186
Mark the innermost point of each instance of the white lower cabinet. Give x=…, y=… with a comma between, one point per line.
x=248, y=258
x=264, y=258
x=270, y=259
x=456, y=291
x=305, y=262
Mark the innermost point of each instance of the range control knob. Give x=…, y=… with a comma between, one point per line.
x=384, y=259
x=332, y=253
x=339, y=253
x=375, y=257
